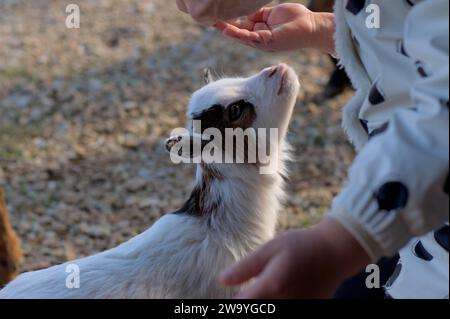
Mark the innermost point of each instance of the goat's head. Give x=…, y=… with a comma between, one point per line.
x=260, y=103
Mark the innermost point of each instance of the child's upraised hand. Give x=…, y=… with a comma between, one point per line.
x=299, y=264
x=281, y=28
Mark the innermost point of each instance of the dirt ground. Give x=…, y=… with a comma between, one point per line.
x=84, y=113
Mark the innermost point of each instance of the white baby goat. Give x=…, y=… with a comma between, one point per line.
x=232, y=210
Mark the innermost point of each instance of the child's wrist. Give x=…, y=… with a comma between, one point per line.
x=322, y=37
x=346, y=254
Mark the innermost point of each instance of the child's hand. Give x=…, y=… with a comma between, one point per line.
x=299, y=264
x=284, y=27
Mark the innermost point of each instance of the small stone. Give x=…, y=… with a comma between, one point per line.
x=149, y=202
x=129, y=140
x=40, y=143
x=136, y=184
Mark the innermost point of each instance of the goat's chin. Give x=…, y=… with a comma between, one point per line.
x=290, y=88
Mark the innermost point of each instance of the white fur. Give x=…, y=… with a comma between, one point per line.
x=181, y=255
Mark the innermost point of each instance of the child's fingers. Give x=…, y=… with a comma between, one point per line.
x=243, y=34
x=267, y=285
x=247, y=268
x=240, y=24
x=253, y=45
x=260, y=16
x=258, y=290
x=243, y=23
x=221, y=25
x=260, y=39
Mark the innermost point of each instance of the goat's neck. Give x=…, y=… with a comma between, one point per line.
x=238, y=203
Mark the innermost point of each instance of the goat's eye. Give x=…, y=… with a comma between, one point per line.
x=235, y=112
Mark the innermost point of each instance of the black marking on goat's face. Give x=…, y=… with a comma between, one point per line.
x=211, y=117
x=239, y=114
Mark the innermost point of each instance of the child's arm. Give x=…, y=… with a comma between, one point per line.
x=284, y=27
x=300, y=264
x=398, y=186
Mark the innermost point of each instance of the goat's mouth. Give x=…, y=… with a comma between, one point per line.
x=281, y=71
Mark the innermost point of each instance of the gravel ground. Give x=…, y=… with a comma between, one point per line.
x=84, y=113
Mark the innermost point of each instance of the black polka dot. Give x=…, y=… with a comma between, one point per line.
x=421, y=252
x=401, y=48
x=394, y=275
x=422, y=72
x=364, y=125
x=375, y=95
x=442, y=237
x=392, y=195
x=355, y=6
x=379, y=130
x=421, y=69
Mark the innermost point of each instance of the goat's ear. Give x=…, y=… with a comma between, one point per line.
x=207, y=76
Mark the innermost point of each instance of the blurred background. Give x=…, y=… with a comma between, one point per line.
x=84, y=114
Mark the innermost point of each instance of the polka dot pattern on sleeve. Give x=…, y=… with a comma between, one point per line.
x=392, y=196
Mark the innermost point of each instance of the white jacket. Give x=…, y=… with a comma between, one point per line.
x=398, y=121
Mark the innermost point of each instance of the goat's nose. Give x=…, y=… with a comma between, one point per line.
x=274, y=70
